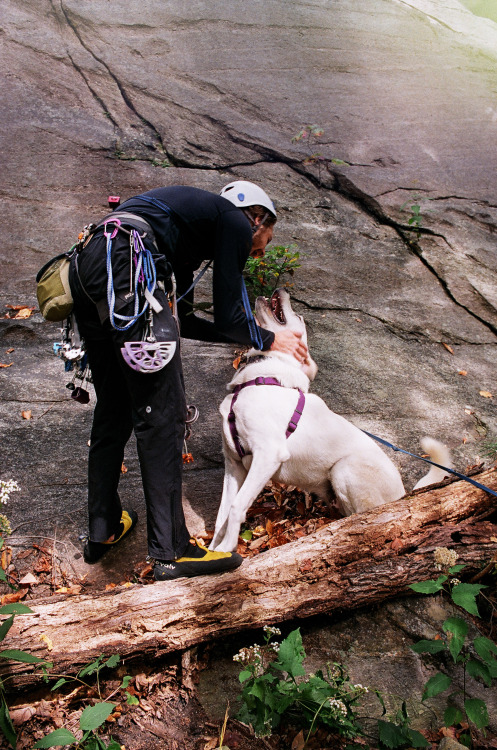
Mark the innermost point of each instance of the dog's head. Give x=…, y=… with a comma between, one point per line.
x=277, y=313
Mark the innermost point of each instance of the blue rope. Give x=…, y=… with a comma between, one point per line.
x=427, y=461
x=255, y=334
x=144, y=264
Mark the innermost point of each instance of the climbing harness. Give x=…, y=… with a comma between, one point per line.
x=292, y=425
x=427, y=461
x=147, y=355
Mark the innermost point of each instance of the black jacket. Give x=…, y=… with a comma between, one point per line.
x=203, y=226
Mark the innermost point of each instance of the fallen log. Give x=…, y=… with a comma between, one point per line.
x=350, y=563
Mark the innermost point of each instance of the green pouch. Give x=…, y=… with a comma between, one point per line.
x=53, y=291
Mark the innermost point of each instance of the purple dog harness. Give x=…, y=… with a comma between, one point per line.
x=292, y=425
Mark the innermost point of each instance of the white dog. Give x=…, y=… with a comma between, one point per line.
x=324, y=454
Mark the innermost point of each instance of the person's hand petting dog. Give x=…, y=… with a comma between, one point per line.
x=290, y=342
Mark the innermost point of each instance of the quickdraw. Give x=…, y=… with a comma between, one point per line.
x=191, y=417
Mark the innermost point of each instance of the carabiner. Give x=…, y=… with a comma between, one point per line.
x=117, y=222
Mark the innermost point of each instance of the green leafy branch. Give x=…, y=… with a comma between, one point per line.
x=310, y=134
x=416, y=218
x=264, y=275
x=477, y=657
x=275, y=688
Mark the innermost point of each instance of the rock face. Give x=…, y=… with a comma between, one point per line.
x=396, y=219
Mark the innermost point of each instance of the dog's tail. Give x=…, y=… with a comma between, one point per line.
x=439, y=453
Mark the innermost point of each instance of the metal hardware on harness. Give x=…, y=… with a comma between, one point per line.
x=192, y=414
x=191, y=417
x=292, y=425
x=427, y=461
x=71, y=351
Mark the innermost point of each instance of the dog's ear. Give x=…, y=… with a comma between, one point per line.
x=310, y=368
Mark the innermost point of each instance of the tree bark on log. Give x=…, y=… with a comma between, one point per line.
x=355, y=561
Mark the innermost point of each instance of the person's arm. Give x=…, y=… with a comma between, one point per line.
x=232, y=247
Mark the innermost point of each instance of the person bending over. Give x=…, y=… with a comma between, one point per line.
x=161, y=234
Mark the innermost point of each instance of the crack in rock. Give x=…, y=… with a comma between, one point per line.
x=120, y=86
x=97, y=98
x=395, y=328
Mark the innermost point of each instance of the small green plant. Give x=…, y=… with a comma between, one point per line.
x=416, y=219
x=264, y=275
x=310, y=134
x=119, y=152
x=275, y=688
x=90, y=720
x=477, y=657
x=164, y=163
x=490, y=449
x=397, y=733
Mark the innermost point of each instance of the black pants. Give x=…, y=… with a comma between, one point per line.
x=151, y=404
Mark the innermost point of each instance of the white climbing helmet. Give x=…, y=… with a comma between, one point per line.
x=244, y=194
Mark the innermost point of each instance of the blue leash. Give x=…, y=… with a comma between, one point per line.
x=427, y=461
x=195, y=280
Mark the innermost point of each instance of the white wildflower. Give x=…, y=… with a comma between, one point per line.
x=270, y=631
x=360, y=688
x=455, y=581
x=243, y=656
x=334, y=672
x=338, y=707
x=6, y=488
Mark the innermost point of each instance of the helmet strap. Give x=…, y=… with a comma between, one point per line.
x=253, y=225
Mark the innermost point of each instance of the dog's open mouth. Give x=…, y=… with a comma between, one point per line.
x=277, y=308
